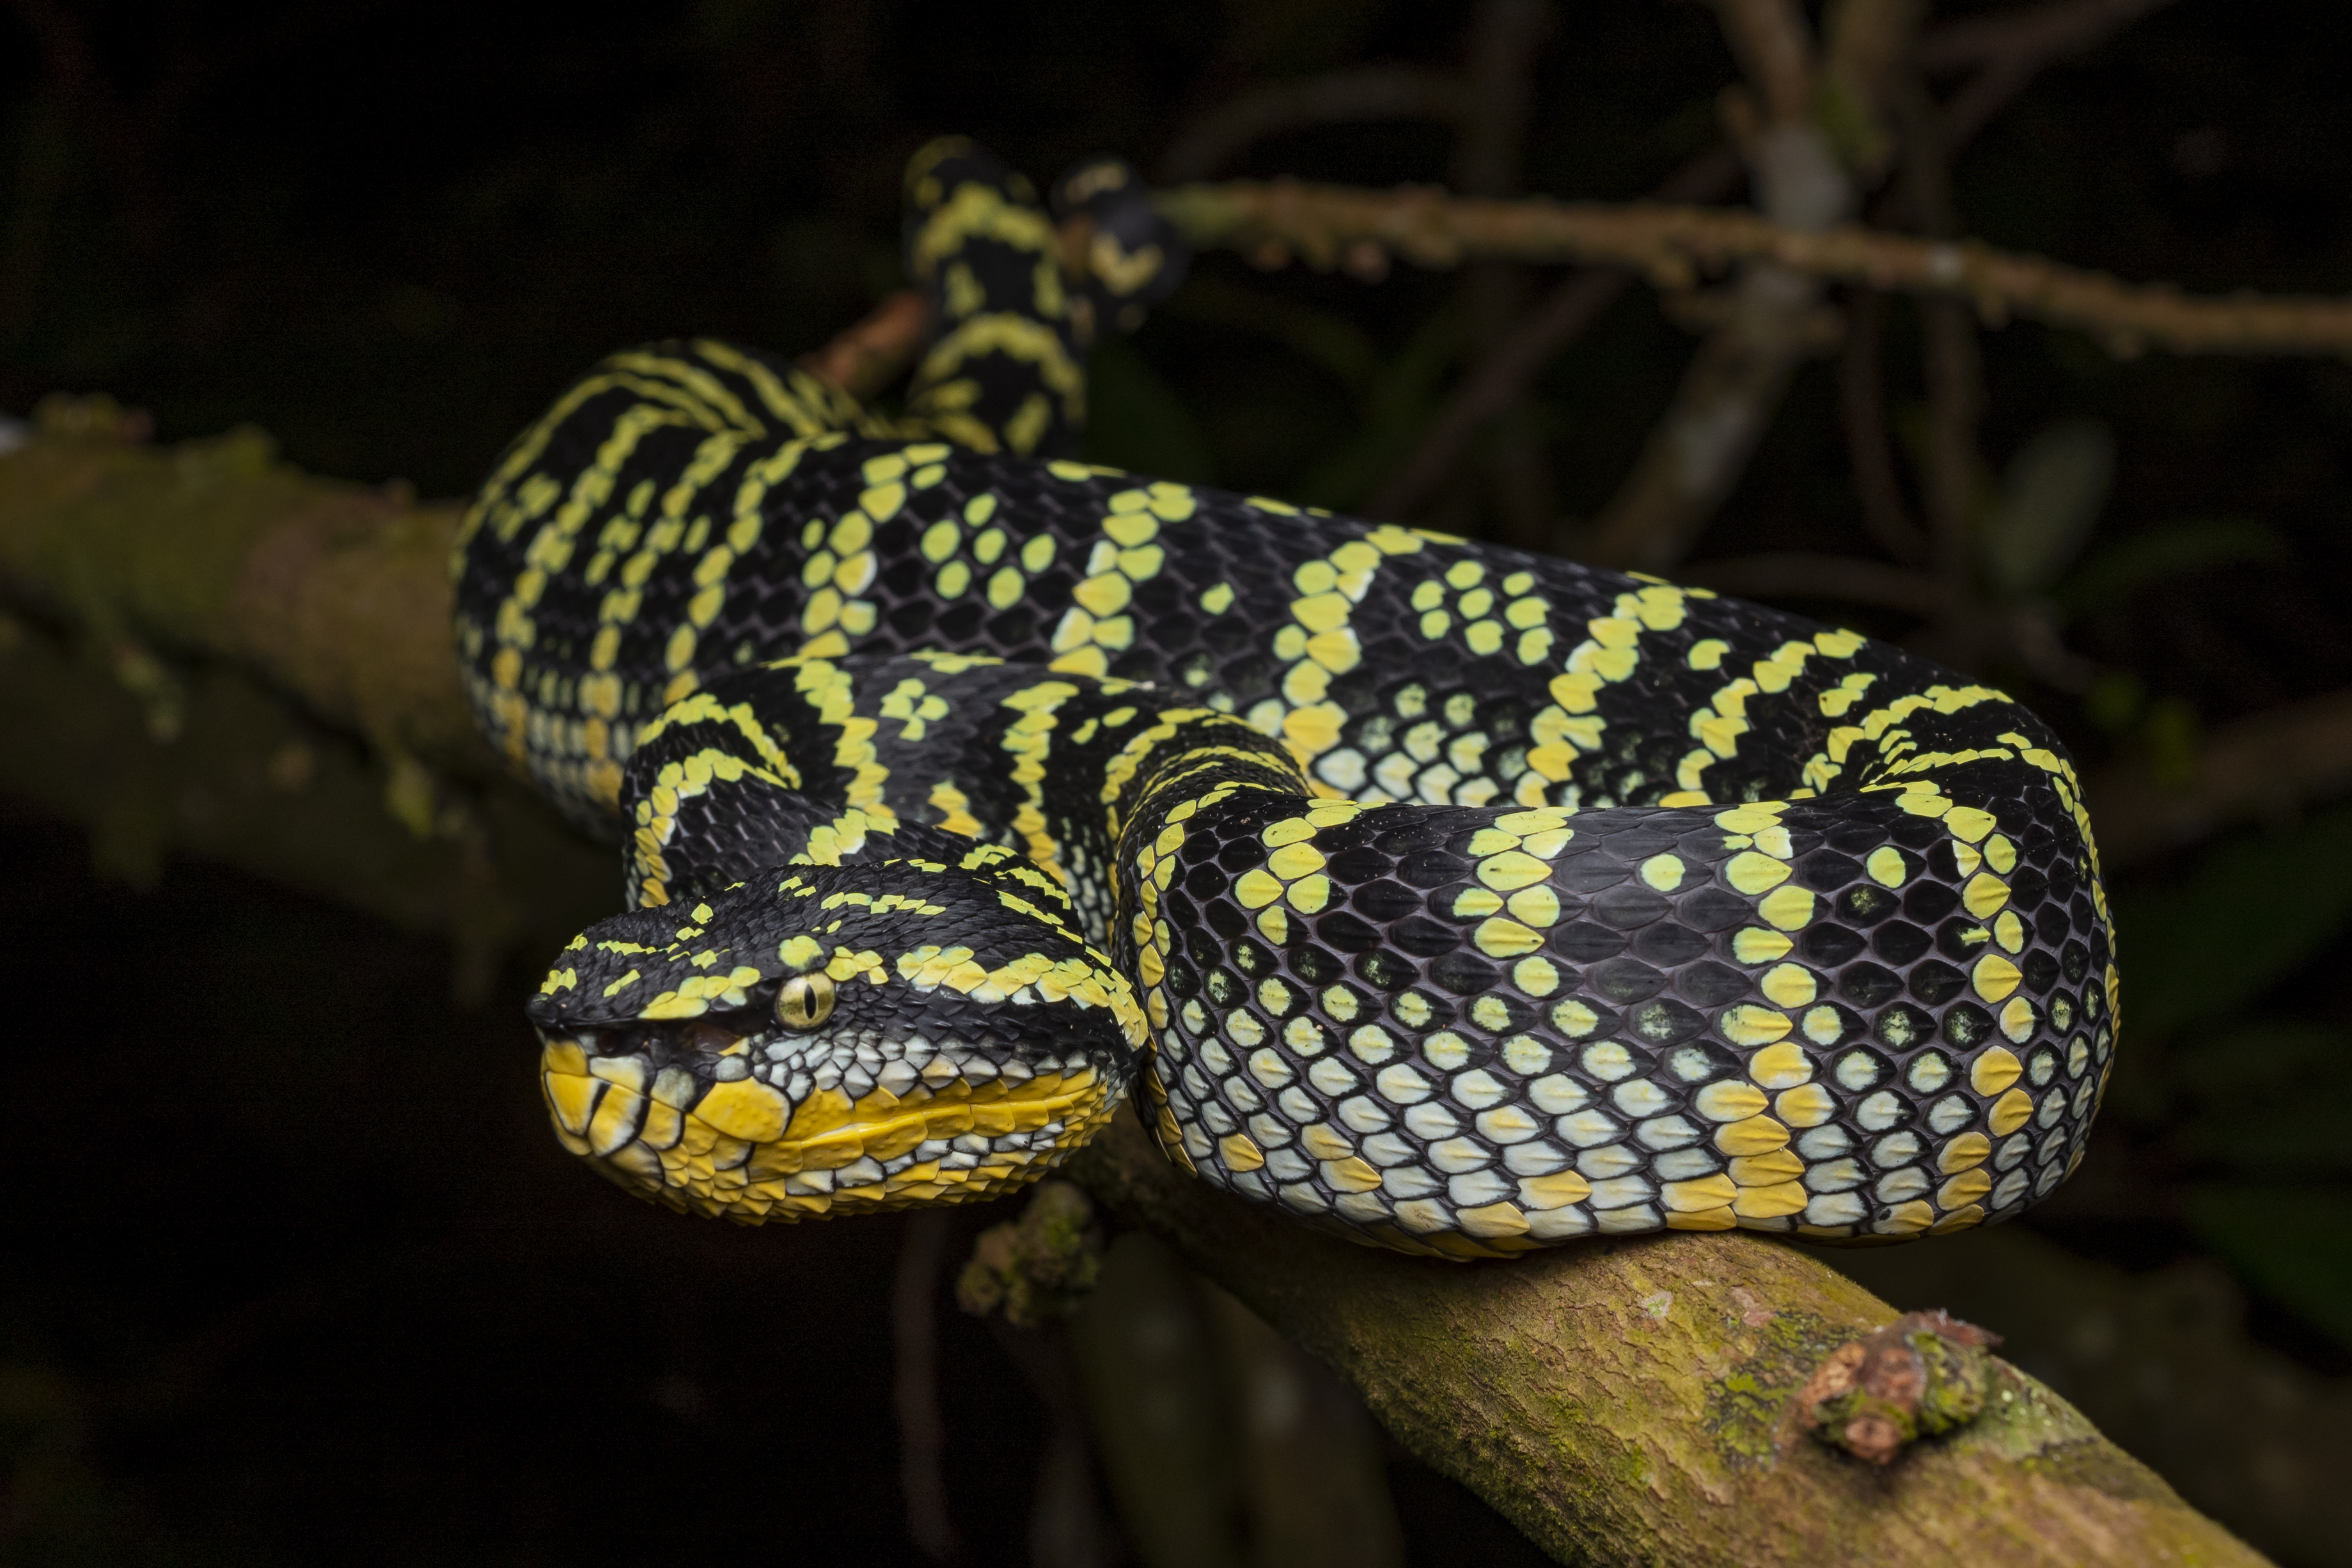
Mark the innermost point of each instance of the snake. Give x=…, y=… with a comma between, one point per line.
x=1459, y=899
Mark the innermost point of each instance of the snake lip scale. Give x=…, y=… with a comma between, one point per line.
x=1458, y=900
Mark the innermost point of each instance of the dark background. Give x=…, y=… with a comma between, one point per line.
x=291, y=1270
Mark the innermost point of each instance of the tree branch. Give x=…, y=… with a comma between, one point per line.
x=2011, y=48
x=1672, y=246
x=869, y=356
x=1622, y=1402
x=1775, y=51
x=1619, y=1402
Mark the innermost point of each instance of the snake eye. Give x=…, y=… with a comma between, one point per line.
x=805, y=1001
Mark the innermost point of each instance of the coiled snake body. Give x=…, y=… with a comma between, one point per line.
x=1464, y=900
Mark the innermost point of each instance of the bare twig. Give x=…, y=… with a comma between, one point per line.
x=1865, y=42
x=1669, y=245
x=1775, y=51
x=2034, y=34
x=1865, y=39
x=1862, y=400
x=1805, y=574
x=864, y=359
x=1496, y=93
x=1955, y=377
x=1702, y=443
x=1374, y=92
x=2012, y=49
x=914, y=1302
x=1513, y=363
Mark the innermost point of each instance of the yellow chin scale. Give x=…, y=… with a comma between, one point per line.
x=742, y=1152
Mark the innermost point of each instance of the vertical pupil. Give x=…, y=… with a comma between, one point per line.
x=801, y=1003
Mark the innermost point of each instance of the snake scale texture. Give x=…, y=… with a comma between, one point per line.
x=1462, y=900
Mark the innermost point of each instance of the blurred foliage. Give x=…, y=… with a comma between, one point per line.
x=2108, y=577
x=2050, y=501
x=2244, y=1091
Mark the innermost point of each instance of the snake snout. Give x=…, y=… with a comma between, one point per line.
x=862, y=1036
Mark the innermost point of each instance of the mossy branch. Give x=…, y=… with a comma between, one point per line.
x=1635, y=1401
x=218, y=655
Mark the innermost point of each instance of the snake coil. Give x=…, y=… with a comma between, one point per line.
x=1463, y=900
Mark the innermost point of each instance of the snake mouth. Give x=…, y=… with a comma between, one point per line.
x=766, y=1127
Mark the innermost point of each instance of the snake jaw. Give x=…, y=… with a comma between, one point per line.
x=942, y=1072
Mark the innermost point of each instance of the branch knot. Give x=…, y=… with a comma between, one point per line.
x=1924, y=1374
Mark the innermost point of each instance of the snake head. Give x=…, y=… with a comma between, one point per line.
x=831, y=1038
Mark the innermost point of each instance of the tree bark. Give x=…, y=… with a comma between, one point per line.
x=217, y=655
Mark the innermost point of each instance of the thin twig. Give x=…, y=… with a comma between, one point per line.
x=1671, y=245
x=1862, y=400
x=2034, y=33
x=865, y=358
x=914, y=1302
x=1775, y=51
x=1496, y=93
x=1865, y=43
x=1954, y=371
x=2013, y=50
x=1805, y=574
x=1997, y=44
x=1514, y=361
x=1373, y=92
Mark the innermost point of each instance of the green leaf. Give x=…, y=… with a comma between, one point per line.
x=2293, y=1244
x=2254, y=906
x=2050, y=501
x=1136, y=421
x=2115, y=570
